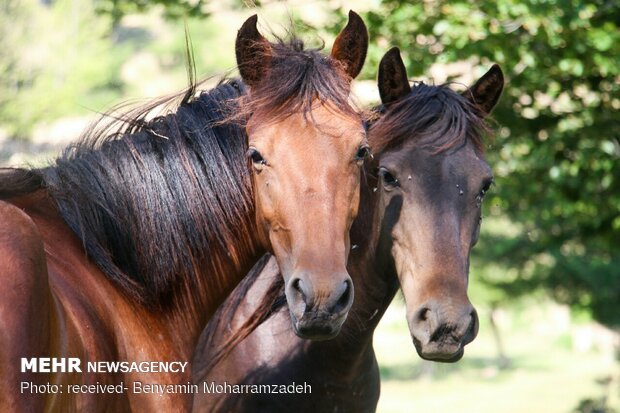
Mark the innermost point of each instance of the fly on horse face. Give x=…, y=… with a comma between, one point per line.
x=124, y=248
x=419, y=217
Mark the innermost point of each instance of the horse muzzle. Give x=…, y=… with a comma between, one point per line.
x=318, y=314
x=438, y=337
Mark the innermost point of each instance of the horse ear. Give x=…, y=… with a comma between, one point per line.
x=392, y=79
x=252, y=51
x=351, y=45
x=486, y=91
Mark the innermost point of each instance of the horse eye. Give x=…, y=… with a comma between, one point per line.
x=362, y=153
x=256, y=157
x=484, y=190
x=389, y=181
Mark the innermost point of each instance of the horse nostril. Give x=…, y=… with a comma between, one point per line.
x=298, y=290
x=473, y=315
x=423, y=314
x=345, y=298
x=296, y=284
x=473, y=325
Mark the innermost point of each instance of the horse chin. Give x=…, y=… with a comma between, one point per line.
x=317, y=326
x=442, y=354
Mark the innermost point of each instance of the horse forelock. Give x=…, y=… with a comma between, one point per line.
x=296, y=80
x=432, y=116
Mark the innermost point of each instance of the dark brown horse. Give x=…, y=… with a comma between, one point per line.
x=124, y=248
x=419, y=218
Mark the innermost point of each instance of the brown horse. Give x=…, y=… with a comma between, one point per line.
x=124, y=248
x=419, y=218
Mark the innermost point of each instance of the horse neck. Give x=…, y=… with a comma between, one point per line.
x=375, y=285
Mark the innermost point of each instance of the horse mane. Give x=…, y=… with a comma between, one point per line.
x=153, y=201
x=296, y=81
x=434, y=116
x=18, y=181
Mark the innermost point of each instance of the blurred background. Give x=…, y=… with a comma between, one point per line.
x=545, y=276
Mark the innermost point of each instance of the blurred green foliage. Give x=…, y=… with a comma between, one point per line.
x=116, y=9
x=50, y=59
x=65, y=57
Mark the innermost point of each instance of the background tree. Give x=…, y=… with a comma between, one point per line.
x=49, y=59
x=173, y=8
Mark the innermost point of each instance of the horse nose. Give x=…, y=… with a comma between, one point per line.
x=440, y=332
x=319, y=309
x=336, y=301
